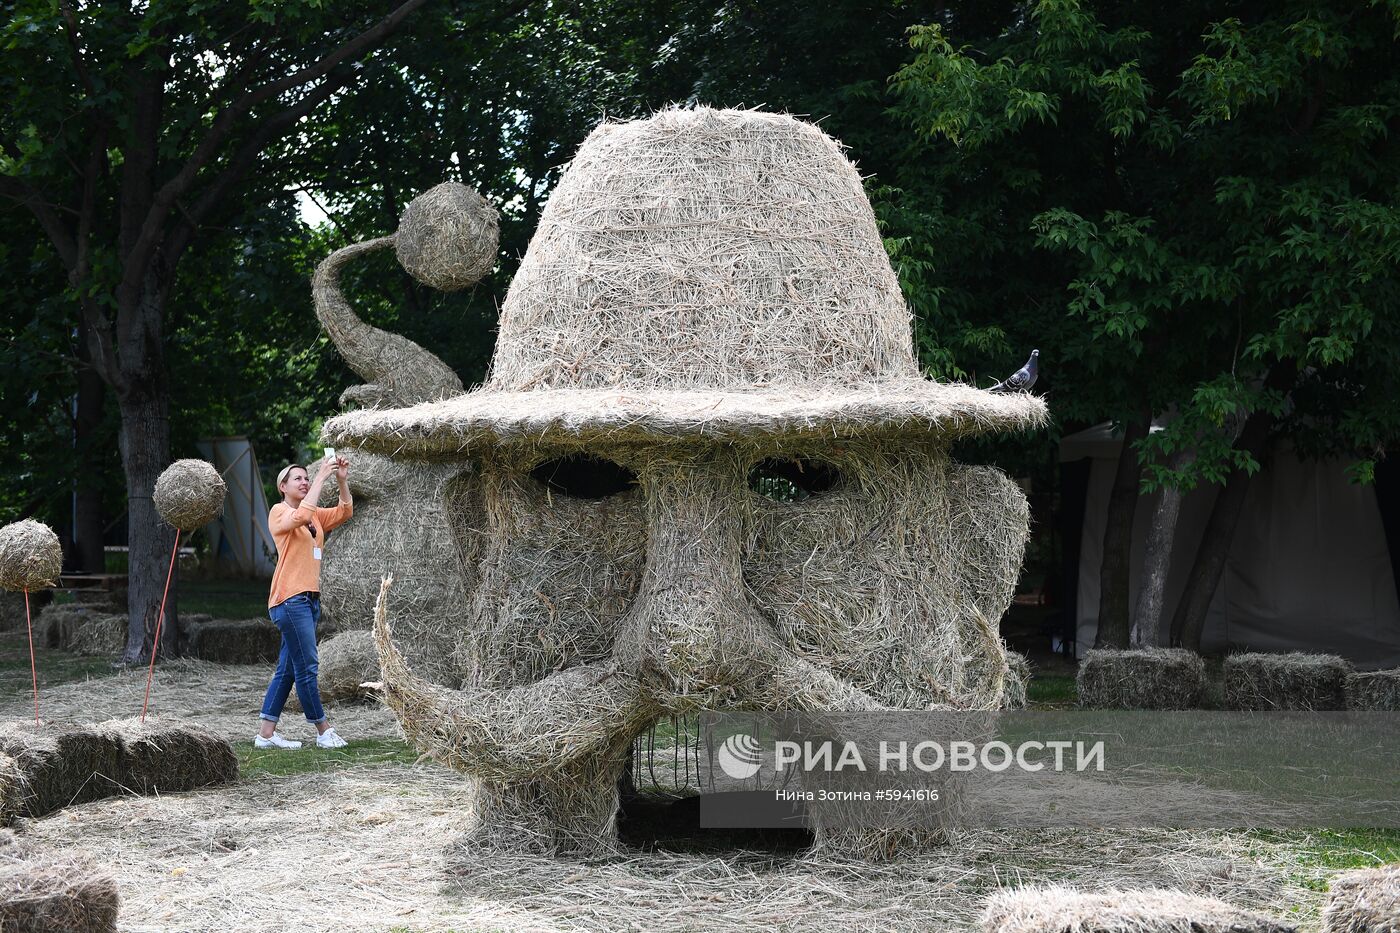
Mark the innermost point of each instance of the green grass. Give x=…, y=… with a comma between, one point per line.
x=1334, y=849
x=1052, y=691
x=307, y=759
x=224, y=599
x=54, y=667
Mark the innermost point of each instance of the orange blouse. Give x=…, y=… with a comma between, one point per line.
x=298, y=567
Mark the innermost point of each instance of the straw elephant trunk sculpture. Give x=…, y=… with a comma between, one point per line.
x=704, y=472
x=399, y=524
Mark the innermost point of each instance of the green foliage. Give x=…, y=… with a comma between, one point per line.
x=1220, y=195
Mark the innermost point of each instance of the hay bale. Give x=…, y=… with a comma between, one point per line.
x=1144, y=678
x=233, y=641
x=346, y=661
x=1293, y=681
x=1365, y=901
x=56, y=765
x=12, y=611
x=1374, y=690
x=447, y=237
x=41, y=893
x=48, y=767
x=81, y=629
x=30, y=556
x=1018, y=680
x=1064, y=910
x=100, y=634
x=53, y=627
x=190, y=494
x=165, y=756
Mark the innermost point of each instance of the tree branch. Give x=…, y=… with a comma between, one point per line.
x=223, y=126
x=47, y=216
x=239, y=163
x=70, y=22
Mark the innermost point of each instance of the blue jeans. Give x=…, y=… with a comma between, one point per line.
x=296, y=617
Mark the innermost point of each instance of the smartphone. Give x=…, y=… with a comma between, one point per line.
x=330, y=453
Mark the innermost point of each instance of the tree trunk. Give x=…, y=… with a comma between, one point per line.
x=145, y=446
x=1157, y=560
x=88, y=556
x=1189, y=621
x=1118, y=540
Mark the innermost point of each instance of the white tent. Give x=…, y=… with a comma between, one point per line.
x=240, y=537
x=1309, y=566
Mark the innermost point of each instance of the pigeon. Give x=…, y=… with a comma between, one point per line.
x=1022, y=379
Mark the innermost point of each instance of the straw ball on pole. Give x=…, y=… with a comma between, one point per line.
x=30, y=556
x=190, y=494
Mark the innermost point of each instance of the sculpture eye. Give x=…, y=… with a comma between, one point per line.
x=792, y=479
x=583, y=476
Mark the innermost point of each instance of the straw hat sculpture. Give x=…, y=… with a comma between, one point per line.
x=704, y=472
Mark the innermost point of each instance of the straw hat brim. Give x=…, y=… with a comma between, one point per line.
x=574, y=417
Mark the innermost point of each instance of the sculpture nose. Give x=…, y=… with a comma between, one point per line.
x=691, y=634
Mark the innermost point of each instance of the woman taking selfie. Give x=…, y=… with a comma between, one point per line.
x=299, y=529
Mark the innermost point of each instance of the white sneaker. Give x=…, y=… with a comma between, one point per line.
x=329, y=739
x=275, y=742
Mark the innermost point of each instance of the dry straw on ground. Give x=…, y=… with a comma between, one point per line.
x=190, y=494
x=447, y=237
x=44, y=893
x=1147, y=678
x=382, y=866
x=30, y=556
x=1066, y=910
x=1365, y=901
x=223, y=698
x=1374, y=690
x=374, y=837
x=1293, y=681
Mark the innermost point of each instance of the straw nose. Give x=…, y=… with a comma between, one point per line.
x=691, y=636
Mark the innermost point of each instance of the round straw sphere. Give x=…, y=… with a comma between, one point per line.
x=447, y=237
x=30, y=556
x=190, y=494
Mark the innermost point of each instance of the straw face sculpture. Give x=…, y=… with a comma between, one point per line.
x=704, y=473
